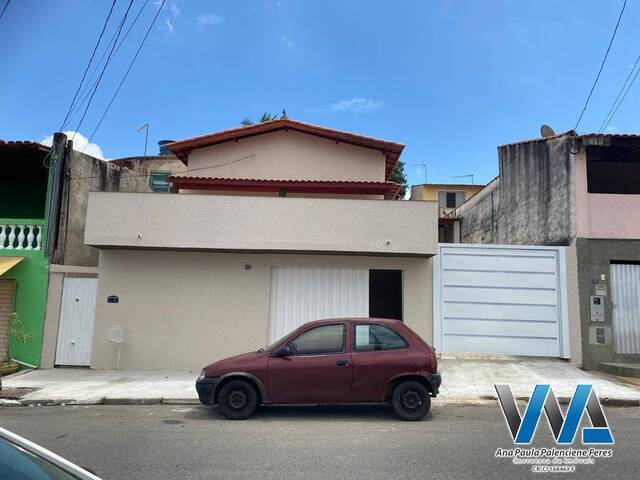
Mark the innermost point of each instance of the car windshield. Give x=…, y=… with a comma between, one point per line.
x=271, y=346
x=18, y=464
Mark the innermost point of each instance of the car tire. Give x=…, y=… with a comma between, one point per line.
x=237, y=400
x=411, y=401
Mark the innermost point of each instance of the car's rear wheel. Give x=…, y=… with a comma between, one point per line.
x=237, y=400
x=411, y=400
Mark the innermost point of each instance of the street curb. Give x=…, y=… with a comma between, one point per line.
x=131, y=401
x=620, y=402
x=180, y=401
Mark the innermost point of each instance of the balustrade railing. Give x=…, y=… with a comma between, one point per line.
x=19, y=236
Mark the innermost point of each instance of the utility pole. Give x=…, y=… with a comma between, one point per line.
x=58, y=161
x=146, y=136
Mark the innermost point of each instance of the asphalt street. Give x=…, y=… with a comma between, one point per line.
x=346, y=442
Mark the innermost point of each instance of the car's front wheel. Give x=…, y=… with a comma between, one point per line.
x=411, y=400
x=237, y=400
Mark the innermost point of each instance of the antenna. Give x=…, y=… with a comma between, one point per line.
x=146, y=136
x=466, y=176
x=424, y=169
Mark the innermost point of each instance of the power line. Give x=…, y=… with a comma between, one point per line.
x=84, y=75
x=609, y=115
x=615, y=30
x=84, y=93
x=623, y=97
x=206, y=167
x=103, y=70
x=4, y=8
x=126, y=74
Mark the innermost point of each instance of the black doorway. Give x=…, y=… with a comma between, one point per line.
x=385, y=294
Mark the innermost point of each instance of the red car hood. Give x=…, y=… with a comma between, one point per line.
x=243, y=362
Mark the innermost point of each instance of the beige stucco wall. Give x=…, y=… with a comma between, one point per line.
x=288, y=155
x=602, y=215
x=187, y=309
x=233, y=223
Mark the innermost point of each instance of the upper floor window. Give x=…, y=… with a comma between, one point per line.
x=450, y=199
x=158, y=181
x=613, y=169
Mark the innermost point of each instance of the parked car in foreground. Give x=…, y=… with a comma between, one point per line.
x=21, y=459
x=328, y=362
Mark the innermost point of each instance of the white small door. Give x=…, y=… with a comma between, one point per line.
x=625, y=295
x=77, y=315
x=300, y=295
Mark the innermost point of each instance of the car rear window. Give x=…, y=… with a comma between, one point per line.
x=370, y=336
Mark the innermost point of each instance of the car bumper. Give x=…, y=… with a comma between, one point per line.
x=435, y=379
x=206, y=388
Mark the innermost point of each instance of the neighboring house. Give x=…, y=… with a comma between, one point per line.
x=449, y=196
x=275, y=224
x=74, y=265
x=25, y=190
x=582, y=192
x=43, y=258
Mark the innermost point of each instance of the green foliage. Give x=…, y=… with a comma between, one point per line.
x=17, y=332
x=266, y=117
x=398, y=176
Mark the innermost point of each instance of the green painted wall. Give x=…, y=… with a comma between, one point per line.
x=31, y=182
x=31, y=277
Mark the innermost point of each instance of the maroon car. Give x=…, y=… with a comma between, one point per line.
x=328, y=361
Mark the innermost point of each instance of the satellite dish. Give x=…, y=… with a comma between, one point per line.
x=546, y=131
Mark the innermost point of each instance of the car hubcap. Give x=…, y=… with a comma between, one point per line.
x=237, y=400
x=411, y=401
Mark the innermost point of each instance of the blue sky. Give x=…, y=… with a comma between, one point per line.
x=450, y=79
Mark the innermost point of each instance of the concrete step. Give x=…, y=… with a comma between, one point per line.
x=622, y=369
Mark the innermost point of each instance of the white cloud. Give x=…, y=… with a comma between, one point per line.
x=287, y=41
x=175, y=9
x=207, y=19
x=356, y=105
x=80, y=144
x=170, y=26
x=612, y=128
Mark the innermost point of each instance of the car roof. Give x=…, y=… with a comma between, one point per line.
x=352, y=320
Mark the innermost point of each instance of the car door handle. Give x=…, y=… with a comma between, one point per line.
x=342, y=363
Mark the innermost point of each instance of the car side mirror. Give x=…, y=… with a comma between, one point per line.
x=283, y=351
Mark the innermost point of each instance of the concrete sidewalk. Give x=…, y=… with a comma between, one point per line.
x=464, y=381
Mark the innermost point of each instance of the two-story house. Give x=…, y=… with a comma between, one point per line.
x=25, y=191
x=273, y=225
x=582, y=192
x=449, y=197
x=47, y=273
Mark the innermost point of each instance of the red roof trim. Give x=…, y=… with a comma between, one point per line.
x=391, y=150
x=293, y=186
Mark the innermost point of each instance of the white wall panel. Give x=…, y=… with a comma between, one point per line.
x=77, y=316
x=300, y=295
x=625, y=294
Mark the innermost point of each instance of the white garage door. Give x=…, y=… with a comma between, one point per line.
x=299, y=295
x=501, y=299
